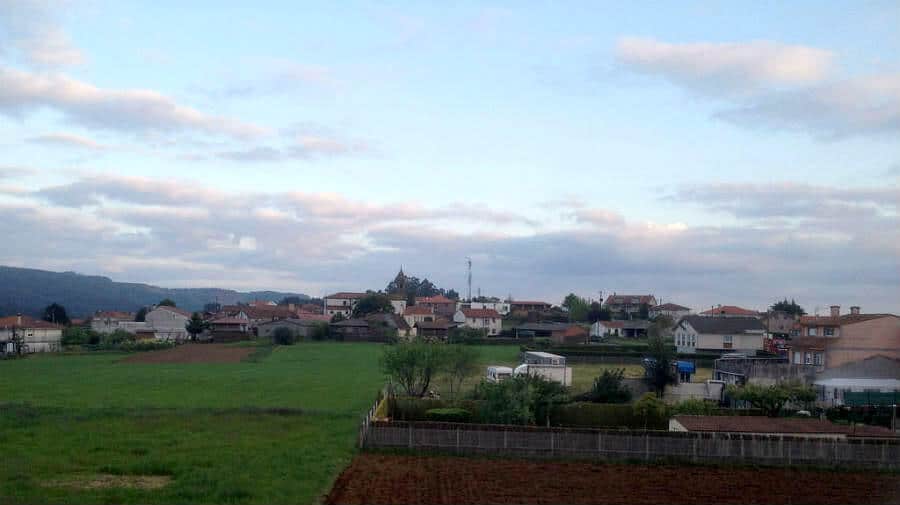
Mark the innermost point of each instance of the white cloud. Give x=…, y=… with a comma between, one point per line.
x=68, y=140
x=134, y=110
x=30, y=28
x=727, y=67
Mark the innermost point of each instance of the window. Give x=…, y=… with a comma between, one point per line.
x=819, y=359
x=798, y=358
x=727, y=339
x=807, y=358
x=811, y=331
x=829, y=332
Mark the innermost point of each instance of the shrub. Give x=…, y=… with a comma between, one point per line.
x=604, y=415
x=75, y=335
x=650, y=407
x=115, y=339
x=146, y=345
x=283, y=336
x=608, y=388
x=520, y=400
x=319, y=331
x=448, y=415
x=696, y=407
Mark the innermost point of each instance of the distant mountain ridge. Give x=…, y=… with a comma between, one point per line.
x=28, y=291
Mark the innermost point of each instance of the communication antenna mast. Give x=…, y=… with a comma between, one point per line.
x=469, y=276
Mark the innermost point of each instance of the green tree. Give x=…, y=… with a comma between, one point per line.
x=141, y=315
x=413, y=365
x=772, y=399
x=577, y=307
x=373, y=303
x=461, y=362
x=283, y=336
x=319, y=332
x=696, y=407
x=507, y=402
x=166, y=302
x=608, y=387
x=196, y=325
x=661, y=355
x=649, y=407
x=56, y=313
x=75, y=335
x=598, y=313
x=791, y=307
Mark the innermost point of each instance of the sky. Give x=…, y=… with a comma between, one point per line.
x=705, y=152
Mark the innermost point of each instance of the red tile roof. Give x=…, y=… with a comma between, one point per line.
x=480, y=313
x=781, y=425
x=575, y=331
x=729, y=310
x=305, y=316
x=27, y=322
x=840, y=320
x=113, y=314
x=418, y=310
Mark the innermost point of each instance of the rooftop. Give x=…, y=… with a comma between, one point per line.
x=670, y=306
x=724, y=325
x=27, y=322
x=475, y=313
x=347, y=295
x=418, y=310
x=729, y=310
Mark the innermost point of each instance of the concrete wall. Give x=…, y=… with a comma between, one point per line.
x=864, y=340
x=618, y=445
x=764, y=372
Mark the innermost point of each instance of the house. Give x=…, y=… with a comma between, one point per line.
x=342, y=303
x=300, y=328
x=229, y=324
x=778, y=426
x=110, y=321
x=781, y=324
x=833, y=340
x=528, y=306
x=862, y=382
x=634, y=328
x=540, y=330
x=483, y=319
x=168, y=323
x=418, y=314
x=391, y=324
x=720, y=334
x=502, y=308
x=398, y=302
x=672, y=310
x=360, y=330
x=440, y=305
x=435, y=329
x=574, y=334
x=628, y=304
x=729, y=311
x=35, y=335
x=259, y=314
x=761, y=370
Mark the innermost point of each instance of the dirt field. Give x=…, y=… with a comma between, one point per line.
x=193, y=353
x=399, y=479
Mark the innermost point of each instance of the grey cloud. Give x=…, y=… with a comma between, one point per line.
x=133, y=110
x=68, y=140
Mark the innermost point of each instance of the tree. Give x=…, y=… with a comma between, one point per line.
x=461, y=362
x=338, y=317
x=649, y=407
x=771, y=399
x=413, y=365
x=608, y=387
x=598, y=313
x=319, y=331
x=196, y=325
x=661, y=352
x=520, y=400
x=56, y=313
x=283, y=336
x=166, y=302
x=141, y=315
x=287, y=300
x=451, y=294
x=791, y=307
x=577, y=307
x=373, y=303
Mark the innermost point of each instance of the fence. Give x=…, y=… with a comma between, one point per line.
x=629, y=445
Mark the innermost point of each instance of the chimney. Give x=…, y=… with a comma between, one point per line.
x=835, y=311
x=854, y=310
x=19, y=319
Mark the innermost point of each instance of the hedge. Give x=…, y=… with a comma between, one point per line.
x=449, y=415
x=415, y=409
x=603, y=415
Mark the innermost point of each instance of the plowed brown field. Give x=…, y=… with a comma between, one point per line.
x=193, y=353
x=399, y=479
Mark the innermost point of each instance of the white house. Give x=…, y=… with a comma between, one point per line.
x=399, y=303
x=110, y=321
x=168, y=323
x=722, y=334
x=418, y=314
x=483, y=319
x=36, y=335
x=342, y=303
x=502, y=308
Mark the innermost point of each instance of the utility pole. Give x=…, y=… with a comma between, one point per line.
x=469, y=277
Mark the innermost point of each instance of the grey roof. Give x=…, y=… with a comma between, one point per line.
x=635, y=324
x=282, y=322
x=724, y=325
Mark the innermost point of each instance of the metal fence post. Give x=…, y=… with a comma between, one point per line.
x=457, y=439
x=410, y=435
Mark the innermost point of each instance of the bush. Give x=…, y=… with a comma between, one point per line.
x=520, y=400
x=608, y=388
x=319, y=331
x=76, y=335
x=604, y=415
x=283, y=336
x=448, y=415
x=416, y=409
x=115, y=339
x=696, y=407
x=146, y=345
x=649, y=408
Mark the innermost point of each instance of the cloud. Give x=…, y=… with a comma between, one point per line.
x=67, y=140
x=153, y=230
x=767, y=84
x=893, y=171
x=30, y=28
x=302, y=147
x=863, y=105
x=132, y=110
x=726, y=68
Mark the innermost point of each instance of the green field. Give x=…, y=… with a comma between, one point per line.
x=273, y=431
x=275, y=428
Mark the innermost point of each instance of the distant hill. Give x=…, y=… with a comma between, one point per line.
x=28, y=291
